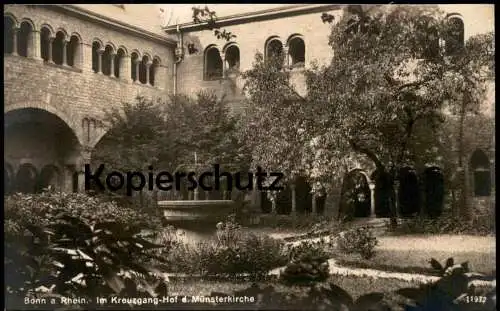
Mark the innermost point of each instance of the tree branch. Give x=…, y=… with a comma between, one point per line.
x=370, y=154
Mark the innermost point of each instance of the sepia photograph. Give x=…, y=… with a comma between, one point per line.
x=249, y=157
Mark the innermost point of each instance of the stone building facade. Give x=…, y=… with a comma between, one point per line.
x=64, y=64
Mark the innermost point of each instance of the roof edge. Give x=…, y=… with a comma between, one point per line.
x=261, y=15
x=113, y=23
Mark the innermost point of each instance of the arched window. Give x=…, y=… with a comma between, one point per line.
x=455, y=35
x=213, y=64
x=143, y=76
x=45, y=44
x=232, y=53
x=480, y=166
x=24, y=39
x=297, y=52
x=134, y=69
x=8, y=34
x=119, y=57
x=106, y=60
x=274, y=52
x=153, y=70
x=57, y=48
x=73, y=51
x=96, y=47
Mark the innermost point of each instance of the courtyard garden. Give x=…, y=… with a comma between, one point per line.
x=79, y=246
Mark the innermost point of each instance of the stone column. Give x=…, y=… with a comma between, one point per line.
x=85, y=157
x=112, y=65
x=64, y=44
x=50, y=44
x=207, y=195
x=396, y=197
x=137, y=63
x=371, y=185
x=224, y=70
x=99, y=61
x=287, y=58
x=273, y=203
x=313, y=204
x=36, y=46
x=294, y=199
x=15, y=31
x=148, y=70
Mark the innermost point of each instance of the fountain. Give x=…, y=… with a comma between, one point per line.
x=196, y=217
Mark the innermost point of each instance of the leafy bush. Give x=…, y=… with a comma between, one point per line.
x=236, y=252
x=75, y=245
x=359, y=240
x=307, y=263
x=231, y=252
x=446, y=224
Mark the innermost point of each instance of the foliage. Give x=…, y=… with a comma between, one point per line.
x=451, y=291
x=363, y=106
x=205, y=15
x=73, y=245
x=359, y=240
x=307, y=263
x=165, y=135
x=445, y=224
x=231, y=252
x=447, y=293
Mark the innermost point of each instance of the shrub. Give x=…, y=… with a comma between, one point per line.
x=446, y=224
x=74, y=245
x=359, y=240
x=307, y=263
x=231, y=252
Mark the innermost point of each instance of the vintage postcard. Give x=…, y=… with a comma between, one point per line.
x=249, y=157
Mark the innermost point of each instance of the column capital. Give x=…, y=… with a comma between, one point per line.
x=100, y=51
x=149, y=64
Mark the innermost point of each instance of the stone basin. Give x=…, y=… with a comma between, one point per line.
x=199, y=211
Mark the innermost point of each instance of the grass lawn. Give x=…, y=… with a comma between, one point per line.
x=355, y=286
x=412, y=255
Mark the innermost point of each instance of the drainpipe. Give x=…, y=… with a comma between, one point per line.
x=179, y=54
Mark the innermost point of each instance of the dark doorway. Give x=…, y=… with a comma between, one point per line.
x=49, y=176
x=355, y=196
x=265, y=204
x=284, y=201
x=26, y=179
x=434, y=191
x=480, y=166
x=303, y=196
x=320, y=203
x=409, y=196
x=383, y=193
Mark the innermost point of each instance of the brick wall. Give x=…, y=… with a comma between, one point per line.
x=71, y=93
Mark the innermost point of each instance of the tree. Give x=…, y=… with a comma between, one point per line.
x=165, y=135
x=387, y=76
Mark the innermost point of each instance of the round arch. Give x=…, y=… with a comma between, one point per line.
x=124, y=49
x=47, y=26
x=355, y=195
x=29, y=21
x=64, y=32
x=15, y=21
x=26, y=178
x=68, y=119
